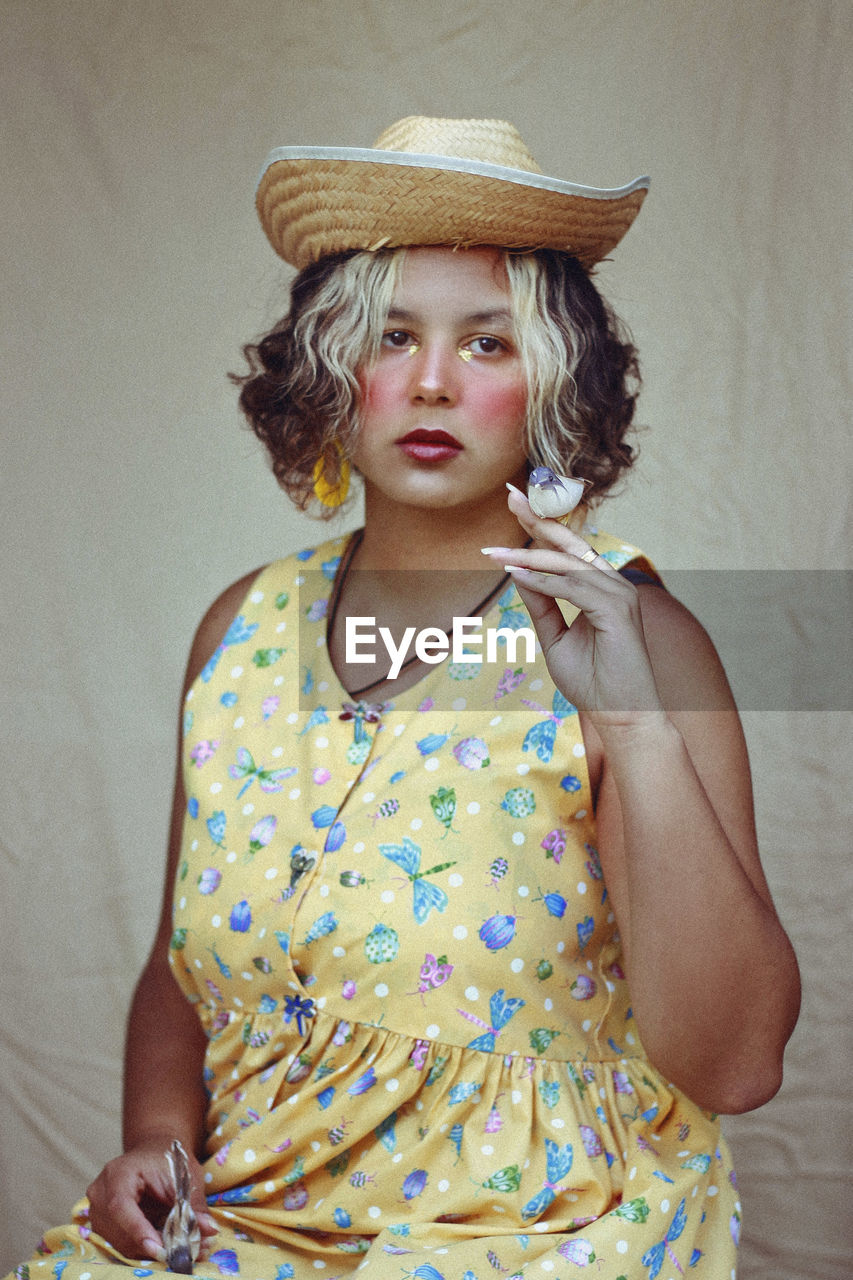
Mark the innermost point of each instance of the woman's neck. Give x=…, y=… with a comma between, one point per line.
x=415, y=567
x=399, y=536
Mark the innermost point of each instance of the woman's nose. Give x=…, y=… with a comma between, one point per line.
x=434, y=375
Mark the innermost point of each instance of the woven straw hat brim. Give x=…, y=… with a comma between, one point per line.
x=314, y=201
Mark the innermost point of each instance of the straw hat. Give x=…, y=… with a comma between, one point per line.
x=433, y=181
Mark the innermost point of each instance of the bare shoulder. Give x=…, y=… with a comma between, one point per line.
x=215, y=623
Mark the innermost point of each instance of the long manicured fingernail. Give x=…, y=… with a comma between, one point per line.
x=488, y=551
x=514, y=568
x=512, y=488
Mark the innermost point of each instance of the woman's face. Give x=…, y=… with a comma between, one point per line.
x=443, y=406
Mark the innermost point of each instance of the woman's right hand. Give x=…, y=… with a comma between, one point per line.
x=132, y=1195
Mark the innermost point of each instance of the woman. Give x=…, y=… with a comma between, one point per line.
x=462, y=956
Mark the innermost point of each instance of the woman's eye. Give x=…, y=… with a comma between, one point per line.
x=486, y=345
x=397, y=338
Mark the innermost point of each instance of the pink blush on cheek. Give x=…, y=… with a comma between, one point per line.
x=380, y=391
x=497, y=406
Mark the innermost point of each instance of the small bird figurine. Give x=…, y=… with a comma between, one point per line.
x=181, y=1235
x=553, y=496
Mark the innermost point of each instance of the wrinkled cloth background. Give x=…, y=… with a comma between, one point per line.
x=134, y=269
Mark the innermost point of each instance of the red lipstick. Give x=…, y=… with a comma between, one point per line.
x=423, y=445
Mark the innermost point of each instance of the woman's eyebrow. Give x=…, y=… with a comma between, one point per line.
x=500, y=315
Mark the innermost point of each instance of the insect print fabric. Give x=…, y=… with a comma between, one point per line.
x=391, y=920
x=426, y=895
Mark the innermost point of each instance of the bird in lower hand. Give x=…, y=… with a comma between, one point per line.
x=181, y=1235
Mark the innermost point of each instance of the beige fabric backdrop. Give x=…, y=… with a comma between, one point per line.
x=132, y=136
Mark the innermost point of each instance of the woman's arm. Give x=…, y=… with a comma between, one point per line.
x=714, y=981
x=713, y=977
x=164, y=1095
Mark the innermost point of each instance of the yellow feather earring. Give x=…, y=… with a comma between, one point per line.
x=331, y=494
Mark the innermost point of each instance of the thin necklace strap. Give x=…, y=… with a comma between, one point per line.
x=340, y=579
x=337, y=591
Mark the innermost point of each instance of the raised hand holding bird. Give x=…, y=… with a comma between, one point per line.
x=553, y=496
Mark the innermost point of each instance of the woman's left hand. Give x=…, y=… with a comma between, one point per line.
x=600, y=662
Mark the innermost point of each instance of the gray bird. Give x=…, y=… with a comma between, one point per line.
x=181, y=1235
x=553, y=496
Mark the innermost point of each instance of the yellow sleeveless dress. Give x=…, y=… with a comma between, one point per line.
x=392, y=921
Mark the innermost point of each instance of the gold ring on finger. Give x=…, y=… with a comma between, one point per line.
x=589, y=555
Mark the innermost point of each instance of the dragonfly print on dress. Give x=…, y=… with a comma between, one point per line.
x=238, y=633
x=426, y=896
x=270, y=780
x=653, y=1258
x=543, y=735
x=558, y=1163
x=501, y=1010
